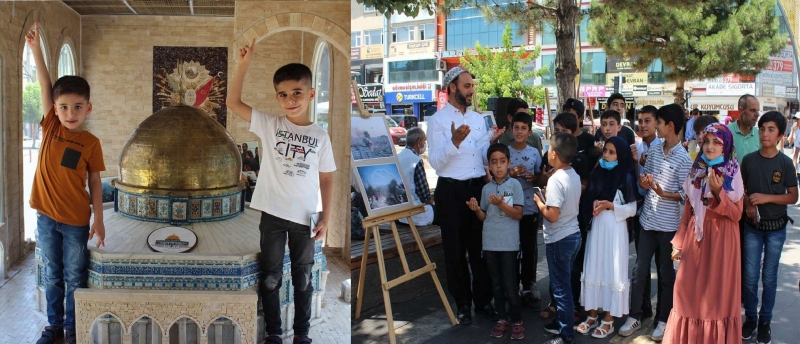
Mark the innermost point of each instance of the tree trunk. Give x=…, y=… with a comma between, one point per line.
x=566, y=69
x=679, y=99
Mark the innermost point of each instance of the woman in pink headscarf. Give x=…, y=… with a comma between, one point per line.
x=707, y=296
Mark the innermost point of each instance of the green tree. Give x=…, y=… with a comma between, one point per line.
x=501, y=74
x=560, y=14
x=695, y=39
x=32, y=108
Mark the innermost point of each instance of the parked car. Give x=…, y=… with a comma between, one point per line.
x=397, y=131
x=405, y=121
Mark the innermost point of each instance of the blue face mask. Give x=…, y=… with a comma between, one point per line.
x=608, y=165
x=714, y=162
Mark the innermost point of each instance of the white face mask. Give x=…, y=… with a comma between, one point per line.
x=422, y=149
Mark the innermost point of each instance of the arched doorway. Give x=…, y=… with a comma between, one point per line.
x=31, y=133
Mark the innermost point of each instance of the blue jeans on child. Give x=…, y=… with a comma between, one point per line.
x=66, y=266
x=771, y=244
x=560, y=257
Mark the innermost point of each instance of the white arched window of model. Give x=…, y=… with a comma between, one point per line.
x=322, y=83
x=66, y=61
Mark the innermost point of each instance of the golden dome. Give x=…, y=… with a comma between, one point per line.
x=180, y=151
x=173, y=237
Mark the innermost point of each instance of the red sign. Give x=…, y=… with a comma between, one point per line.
x=780, y=65
x=441, y=99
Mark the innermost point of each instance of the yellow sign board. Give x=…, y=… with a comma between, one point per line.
x=374, y=51
x=412, y=48
x=630, y=78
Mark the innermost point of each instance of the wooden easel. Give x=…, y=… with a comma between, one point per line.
x=371, y=223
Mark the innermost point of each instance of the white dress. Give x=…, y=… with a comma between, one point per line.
x=605, y=283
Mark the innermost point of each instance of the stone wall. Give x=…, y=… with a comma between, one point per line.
x=59, y=25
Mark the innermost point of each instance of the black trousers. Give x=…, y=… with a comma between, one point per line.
x=462, y=241
x=502, y=267
x=647, y=305
x=274, y=234
x=648, y=242
x=528, y=228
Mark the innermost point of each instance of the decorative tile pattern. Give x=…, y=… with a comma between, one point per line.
x=194, y=209
x=226, y=206
x=132, y=204
x=217, y=207
x=179, y=210
x=163, y=209
x=151, y=208
x=206, y=212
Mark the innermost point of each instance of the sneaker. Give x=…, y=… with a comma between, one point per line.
x=557, y=339
x=517, y=331
x=658, y=333
x=631, y=325
x=70, y=337
x=748, y=328
x=764, y=334
x=499, y=329
x=304, y=339
x=535, y=291
x=274, y=339
x=51, y=335
x=553, y=327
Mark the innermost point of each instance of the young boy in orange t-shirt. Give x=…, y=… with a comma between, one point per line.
x=68, y=156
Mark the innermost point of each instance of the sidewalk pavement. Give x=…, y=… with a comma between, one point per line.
x=420, y=318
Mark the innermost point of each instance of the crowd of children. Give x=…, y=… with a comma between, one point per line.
x=600, y=196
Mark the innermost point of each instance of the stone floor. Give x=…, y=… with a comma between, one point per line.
x=20, y=323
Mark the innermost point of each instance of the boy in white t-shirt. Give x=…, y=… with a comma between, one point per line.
x=299, y=160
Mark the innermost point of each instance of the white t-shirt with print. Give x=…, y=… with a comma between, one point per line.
x=292, y=158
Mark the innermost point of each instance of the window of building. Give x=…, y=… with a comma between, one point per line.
x=584, y=29
x=322, y=84
x=403, y=34
x=427, y=31
x=593, y=68
x=549, y=77
x=412, y=71
x=373, y=37
x=355, y=39
x=656, y=72
x=66, y=61
x=466, y=25
x=548, y=34
x=368, y=9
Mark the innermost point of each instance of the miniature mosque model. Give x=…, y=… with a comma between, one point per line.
x=198, y=282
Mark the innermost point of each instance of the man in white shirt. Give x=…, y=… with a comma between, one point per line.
x=414, y=170
x=458, y=139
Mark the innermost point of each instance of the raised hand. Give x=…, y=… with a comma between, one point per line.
x=497, y=134
x=715, y=183
x=495, y=199
x=635, y=152
x=32, y=37
x=247, y=51
x=459, y=134
x=644, y=180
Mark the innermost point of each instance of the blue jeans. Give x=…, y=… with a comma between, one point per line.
x=560, y=257
x=66, y=266
x=771, y=244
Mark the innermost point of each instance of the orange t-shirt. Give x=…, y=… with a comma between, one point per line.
x=65, y=160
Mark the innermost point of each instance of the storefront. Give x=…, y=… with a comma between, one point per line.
x=414, y=98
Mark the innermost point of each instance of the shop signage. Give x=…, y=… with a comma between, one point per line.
x=655, y=93
x=462, y=52
x=441, y=99
x=767, y=90
x=780, y=65
x=408, y=97
x=780, y=91
x=723, y=89
x=405, y=49
x=374, y=51
x=715, y=107
x=630, y=79
x=617, y=64
x=417, y=86
x=592, y=91
x=775, y=78
x=371, y=93
x=791, y=92
x=603, y=102
x=355, y=53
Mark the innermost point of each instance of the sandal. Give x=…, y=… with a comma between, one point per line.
x=548, y=313
x=585, y=327
x=601, y=332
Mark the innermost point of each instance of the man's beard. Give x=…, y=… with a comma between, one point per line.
x=462, y=99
